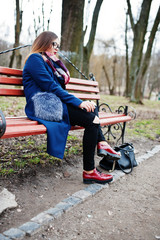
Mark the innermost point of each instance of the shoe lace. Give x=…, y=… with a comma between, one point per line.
x=100, y=173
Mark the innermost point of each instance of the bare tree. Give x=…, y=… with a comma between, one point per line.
x=111, y=88
x=139, y=30
x=153, y=74
x=111, y=78
x=72, y=31
x=145, y=63
x=87, y=50
x=72, y=40
x=127, y=58
x=40, y=24
x=18, y=28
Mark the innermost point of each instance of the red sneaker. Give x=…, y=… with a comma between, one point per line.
x=96, y=177
x=106, y=150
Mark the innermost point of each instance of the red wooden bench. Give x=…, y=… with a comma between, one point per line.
x=11, y=85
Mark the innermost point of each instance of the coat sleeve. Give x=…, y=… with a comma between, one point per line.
x=35, y=66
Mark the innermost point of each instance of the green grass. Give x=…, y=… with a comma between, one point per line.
x=149, y=128
x=12, y=105
x=27, y=153
x=6, y=172
x=115, y=101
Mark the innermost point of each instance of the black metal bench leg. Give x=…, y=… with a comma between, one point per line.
x=124, y=124
x=123, y=131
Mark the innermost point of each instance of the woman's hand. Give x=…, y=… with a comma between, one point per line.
x=88, y=105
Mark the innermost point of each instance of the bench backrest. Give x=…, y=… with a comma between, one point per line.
x=11, y=85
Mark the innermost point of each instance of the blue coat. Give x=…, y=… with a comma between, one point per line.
x=39, y=77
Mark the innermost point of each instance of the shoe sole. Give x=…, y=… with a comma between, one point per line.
x=90, y=181
x=110, y=156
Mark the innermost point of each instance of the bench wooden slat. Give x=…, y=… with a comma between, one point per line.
x=11, y=92
x=14, y=122
x=10, y=81
x=19, y=131
x=18, y=72
x=25, y=127
x=18, y=81
x=110, y=115
x=82, y=88
x=19, y=92
x=115, y=120
x=87, y=96
x=10, y=71
x=18, y=118
x=101, y=115
x=83, y=82
x=24, y=121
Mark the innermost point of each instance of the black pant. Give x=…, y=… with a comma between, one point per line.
x=92, y=133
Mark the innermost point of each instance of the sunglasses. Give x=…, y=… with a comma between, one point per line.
x=55, y=45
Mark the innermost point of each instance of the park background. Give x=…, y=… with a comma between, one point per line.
x=115, y=40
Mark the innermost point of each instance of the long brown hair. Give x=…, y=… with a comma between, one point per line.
x=42, y=42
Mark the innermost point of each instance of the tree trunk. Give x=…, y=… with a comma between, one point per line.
x=139, y=32
x=107, y=78
x=111, y=89
x=87, y=50
x=114, y=72
x=127, y=61
x=140, y=78
x=72, y=40
x=152, y=88
x=18, y=27
x=72, y=32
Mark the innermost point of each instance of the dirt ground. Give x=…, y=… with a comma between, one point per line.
x=128, y=209
x=43, y=188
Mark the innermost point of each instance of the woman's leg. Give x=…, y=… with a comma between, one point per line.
x=86, y=119
x=89, y=145
x=91, y=124
x=101, y=137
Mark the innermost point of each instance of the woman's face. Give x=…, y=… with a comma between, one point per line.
x=54, y=46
